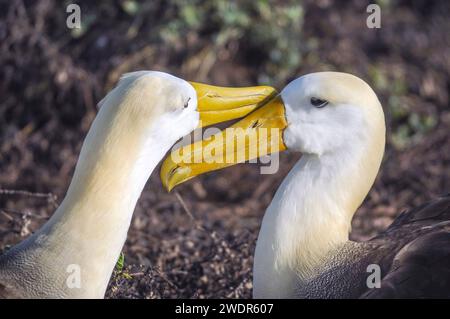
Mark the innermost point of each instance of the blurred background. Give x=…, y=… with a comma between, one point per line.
x=52, y=77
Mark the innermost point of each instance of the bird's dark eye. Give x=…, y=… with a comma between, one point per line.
x=318, y=102
x=187, y=103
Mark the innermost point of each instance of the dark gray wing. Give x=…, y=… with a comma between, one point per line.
x=420, y=267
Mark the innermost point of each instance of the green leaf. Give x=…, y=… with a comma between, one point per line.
x=120, y=262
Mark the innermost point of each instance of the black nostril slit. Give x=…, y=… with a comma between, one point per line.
x=172, y=171
x=255, y=124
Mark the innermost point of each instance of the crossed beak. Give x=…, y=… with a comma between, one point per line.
x=259, y=133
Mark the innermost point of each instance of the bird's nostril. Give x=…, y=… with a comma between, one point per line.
x=173, y=170
x=256, y=124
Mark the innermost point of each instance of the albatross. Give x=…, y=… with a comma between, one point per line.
x=138, y=122
x=303, y=249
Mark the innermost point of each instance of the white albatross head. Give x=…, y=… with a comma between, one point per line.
x=175, y=107
x=317, y=114
x=328, y=111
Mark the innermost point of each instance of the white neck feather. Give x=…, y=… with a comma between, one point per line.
x=310, y=216
x=90, y=226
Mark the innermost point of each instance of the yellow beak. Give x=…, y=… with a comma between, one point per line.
x=219, y=104
x=258, y=134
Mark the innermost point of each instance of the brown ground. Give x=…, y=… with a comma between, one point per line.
x=51, y=80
